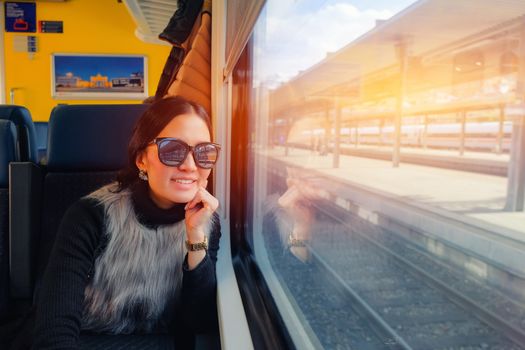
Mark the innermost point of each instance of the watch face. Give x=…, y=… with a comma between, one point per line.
x=197, y=246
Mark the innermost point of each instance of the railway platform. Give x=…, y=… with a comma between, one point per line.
x=456, y=215
x=476, y=196
x=478, y=162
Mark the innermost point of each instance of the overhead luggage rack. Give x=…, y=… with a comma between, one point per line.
x=151, y=17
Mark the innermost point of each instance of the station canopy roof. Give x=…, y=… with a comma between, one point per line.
x=429, y=29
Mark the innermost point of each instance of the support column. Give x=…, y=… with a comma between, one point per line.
x=402, y=56
x=289, y=124
x=327, y=130
x=425, y=132
x=337, y=131
x=516, y=171
x=463, y=117
x=501, y=130
x=312, y=141
x=356, y=133
x=381, y=125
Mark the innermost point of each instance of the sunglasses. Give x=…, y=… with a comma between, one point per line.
x=173, y=152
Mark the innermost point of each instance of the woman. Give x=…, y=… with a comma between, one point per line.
x=138, y=255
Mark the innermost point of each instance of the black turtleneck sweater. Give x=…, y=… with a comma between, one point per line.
x=80, y=241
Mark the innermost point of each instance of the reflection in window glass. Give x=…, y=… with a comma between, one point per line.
x=389, y=171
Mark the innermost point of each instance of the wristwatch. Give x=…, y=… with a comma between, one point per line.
x=295, y=242
x=197, y=246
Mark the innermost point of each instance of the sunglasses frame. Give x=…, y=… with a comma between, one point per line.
x=189, y=149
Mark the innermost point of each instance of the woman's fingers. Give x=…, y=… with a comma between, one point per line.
x=199, y=210
x=208, y=201
x=204, y=197
x=197, y=198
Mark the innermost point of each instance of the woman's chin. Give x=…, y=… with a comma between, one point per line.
x=183, y=197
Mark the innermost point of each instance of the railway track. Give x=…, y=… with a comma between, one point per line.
x=389, y=295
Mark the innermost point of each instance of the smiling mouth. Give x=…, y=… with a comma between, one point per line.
x=184, y=181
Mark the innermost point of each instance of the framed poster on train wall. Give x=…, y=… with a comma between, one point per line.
x=90, y=76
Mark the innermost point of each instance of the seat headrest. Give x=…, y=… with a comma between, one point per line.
x=41, y=134
x=90, y=137
x=21, y=117
x=8, y=153
x=41, y=140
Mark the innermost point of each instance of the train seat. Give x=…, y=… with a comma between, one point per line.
x=87, y=145
x=8, y=154
x=41, y=140
x=21, y=118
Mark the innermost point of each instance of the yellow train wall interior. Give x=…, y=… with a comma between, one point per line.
x=89, y=27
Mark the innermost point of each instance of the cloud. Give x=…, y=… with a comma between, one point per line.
x=295, y=40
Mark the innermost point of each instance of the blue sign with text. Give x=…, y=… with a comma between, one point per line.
x=20, y=17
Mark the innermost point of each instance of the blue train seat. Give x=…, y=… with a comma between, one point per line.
x=21, y=118
x=8, y=154
x=25, y=148
x=41, y=140
x=87, y=146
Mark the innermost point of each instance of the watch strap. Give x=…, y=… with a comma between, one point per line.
x=197, y=246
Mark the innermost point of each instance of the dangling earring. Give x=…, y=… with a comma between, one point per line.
x=143, y=175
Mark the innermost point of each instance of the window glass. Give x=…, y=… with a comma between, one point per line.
x=387, y=171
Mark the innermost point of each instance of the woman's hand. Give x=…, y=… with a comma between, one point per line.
x=297, y=203
x=198, y=215
x=199, y=212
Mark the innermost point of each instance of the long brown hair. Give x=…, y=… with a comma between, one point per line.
x=149, y=125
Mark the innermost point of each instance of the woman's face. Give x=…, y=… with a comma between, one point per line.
x=169, y=185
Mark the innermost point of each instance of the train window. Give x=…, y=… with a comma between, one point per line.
x=387, y=172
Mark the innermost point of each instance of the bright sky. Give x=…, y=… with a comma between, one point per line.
x=299, y=33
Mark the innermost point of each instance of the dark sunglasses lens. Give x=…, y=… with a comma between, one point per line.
x=206, y=155
x=172, y=152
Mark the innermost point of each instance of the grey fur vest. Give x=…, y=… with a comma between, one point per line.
x=139, y=273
